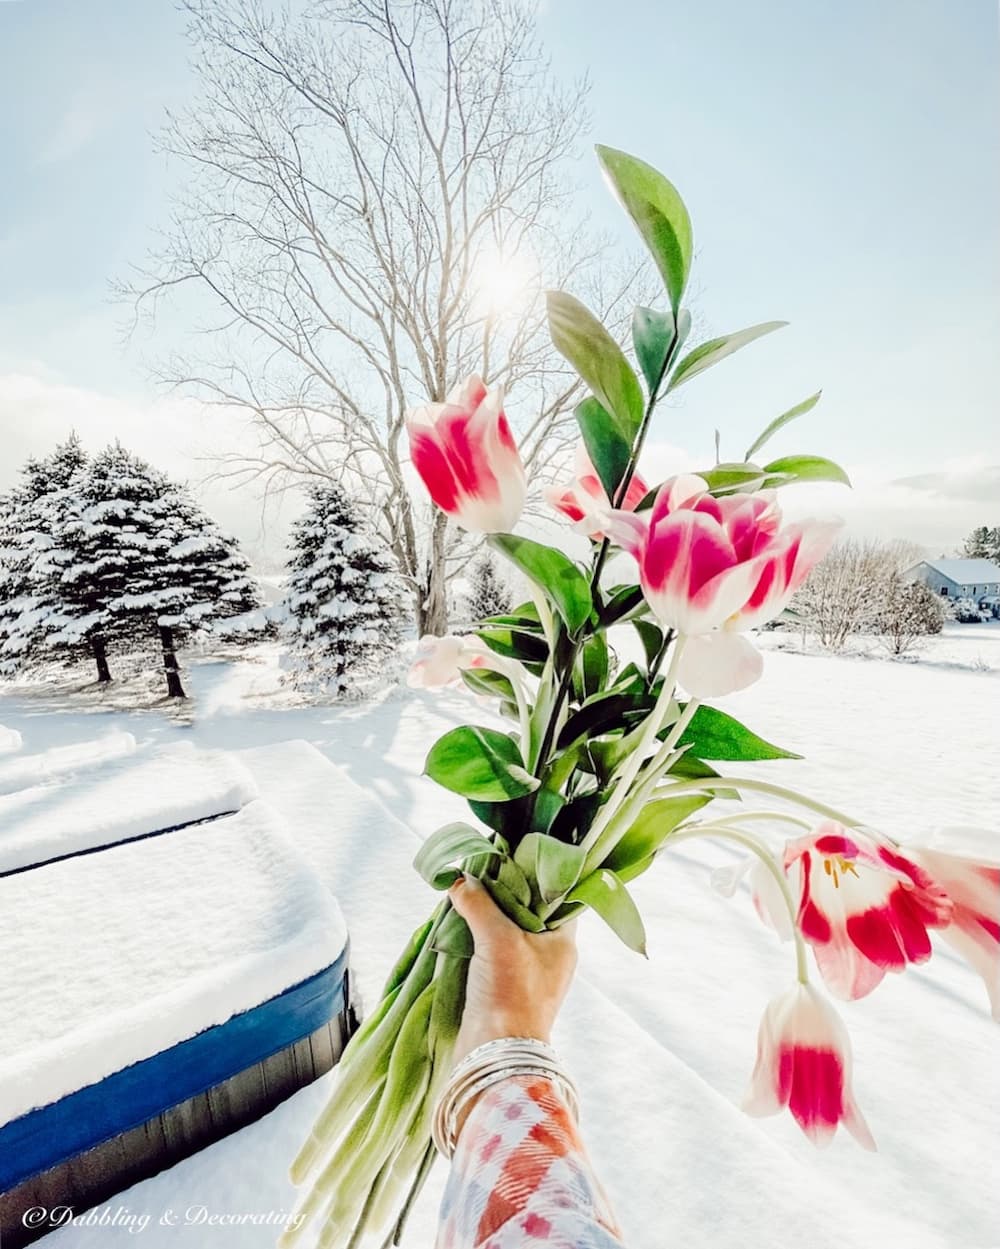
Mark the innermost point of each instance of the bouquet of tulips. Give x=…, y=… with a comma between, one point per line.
x=606, y=767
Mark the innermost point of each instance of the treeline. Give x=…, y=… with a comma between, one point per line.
x=104, y=555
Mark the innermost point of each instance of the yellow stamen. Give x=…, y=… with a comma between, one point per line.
x=837, y=866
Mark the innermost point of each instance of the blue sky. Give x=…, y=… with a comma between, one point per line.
x=840, y=162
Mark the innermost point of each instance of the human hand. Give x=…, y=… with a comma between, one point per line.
x=517, y=980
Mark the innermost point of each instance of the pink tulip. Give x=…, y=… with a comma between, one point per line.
x=974, y=931
x=466, y=456
x=439, y=661
x=865, y=908
x=710, y=568
x=804, y=1062
x=584, y=499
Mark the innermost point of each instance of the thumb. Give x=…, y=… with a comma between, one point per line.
x=486, y=921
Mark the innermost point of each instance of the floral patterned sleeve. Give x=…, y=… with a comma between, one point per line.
x=520, y=1177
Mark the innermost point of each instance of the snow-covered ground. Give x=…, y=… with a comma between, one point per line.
x=661, y=1048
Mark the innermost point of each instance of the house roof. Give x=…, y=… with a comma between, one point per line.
x=965, y=571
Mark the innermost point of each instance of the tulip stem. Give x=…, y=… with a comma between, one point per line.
x=725, y=833
x=634, y=761
x=711, y=783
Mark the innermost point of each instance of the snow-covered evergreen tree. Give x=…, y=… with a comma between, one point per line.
x=136, y=557
x=31, y=518
x=345, y=599
x=488, y=595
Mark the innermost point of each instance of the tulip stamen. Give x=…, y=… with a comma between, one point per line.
x=838, y=866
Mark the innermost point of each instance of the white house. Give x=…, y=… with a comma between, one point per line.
x=958, y=578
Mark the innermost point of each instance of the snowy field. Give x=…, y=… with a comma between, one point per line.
x=661, y=1048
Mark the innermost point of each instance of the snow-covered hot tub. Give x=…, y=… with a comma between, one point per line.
x=155, y=996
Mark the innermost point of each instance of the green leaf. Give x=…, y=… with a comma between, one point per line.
x=515, y=644
x=555, y=866
x=688, y=766
x=803, y=468
x=658, y=211
x=512, y=878
x=607, y=446
x=712, y=734
x=590, y=671
x=779, y=422
x=404, y=964
x=726, y=478
x=450, y=844
x=454, y=937
x=551, y=571
x=624, y=600
x=605, y=893
x=479, y=763
x=486, y=681
x=653, y=825
x=717, y=349
x=599, y=716
x=651, y=637
x=510, y=906
x=653, y=339
x=586, y=344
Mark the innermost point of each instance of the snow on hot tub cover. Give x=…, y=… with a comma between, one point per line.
x=118, y=798
x=112, y=957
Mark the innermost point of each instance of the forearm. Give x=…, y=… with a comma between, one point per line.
x=520, y=1171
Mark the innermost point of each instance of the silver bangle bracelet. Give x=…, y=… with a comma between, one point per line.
x=489, y=1064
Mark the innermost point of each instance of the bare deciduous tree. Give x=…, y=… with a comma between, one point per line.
x=376, y=192
x=910, y=611
x=847, y=592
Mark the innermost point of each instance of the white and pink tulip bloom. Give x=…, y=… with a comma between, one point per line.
x=584, y=499
x=865, y=908
x=804, y=1062
x=439, y=661
x=974, y=932
x=711, y=568
x=467, y=458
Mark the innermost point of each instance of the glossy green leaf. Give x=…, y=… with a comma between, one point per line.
x=651, y=637
x=712, y=734
x=590, y=671
x=658, y=211
x=607, y=446
x=512, y=878
x=450, y=844
x=653, y=825
x=717, y=349
x=551, y=571
x=555, y=866
x=781, y=421
x=653, y=339
x=601, y=715
x=514, y=643
x=493, y=684
x=586, y=344
x=803, y=468
x=727, y=478
x=623, y=601
x=605, y=894
x=479, y=763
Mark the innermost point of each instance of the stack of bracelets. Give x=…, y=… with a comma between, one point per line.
x=487, y=1065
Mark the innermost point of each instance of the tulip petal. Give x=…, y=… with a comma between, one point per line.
x=718, y=663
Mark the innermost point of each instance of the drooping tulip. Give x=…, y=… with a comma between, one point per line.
x=584, y=499
x=804, y=1062
x=974, y=932
x=865, y=908
x=439, y=661
x=467, y=458
x=711, y=568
